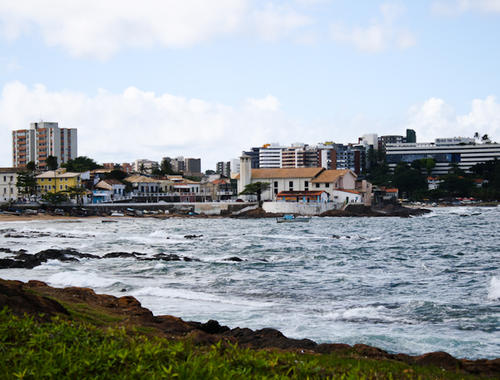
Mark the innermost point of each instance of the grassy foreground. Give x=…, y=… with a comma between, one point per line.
x=71, y=349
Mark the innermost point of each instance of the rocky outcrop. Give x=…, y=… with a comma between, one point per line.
x=21, y=259
x=36, y=298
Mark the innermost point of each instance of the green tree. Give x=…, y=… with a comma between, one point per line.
x=76, y=192
x=56, y=198
x=456, y=185
x=166, y=167
x=31, y=166
x=26, y=183
x=142, y=169
x=409, y=180
x=80, y=164
x=255, y=188
x=52, y=163
x=117, y=174
x=424, y=164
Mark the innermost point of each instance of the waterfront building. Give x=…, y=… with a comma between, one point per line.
x=8, y=188
x=109, y=190
x=302, y=180
x=41, y=140
x=445, y=152
x=57, y=180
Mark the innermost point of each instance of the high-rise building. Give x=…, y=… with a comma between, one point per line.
x=192, y=166
x=145, y=166
x=411, y=136
x=223, y=168
x=270, y=156
x=42, y=140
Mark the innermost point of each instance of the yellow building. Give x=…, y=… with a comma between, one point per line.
x=57, y=180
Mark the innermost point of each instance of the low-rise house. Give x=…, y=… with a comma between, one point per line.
x=109, y=190
x=347, y=196
x=320, y=196
x=144, y=186
x=433, y=183
x=57, y=180
x=8, y=188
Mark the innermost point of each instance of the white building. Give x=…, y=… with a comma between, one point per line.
x=146, y=166
x=8, y=180
x=44, y=139
x=270, y=156
x=299, y=180
x=445, y=152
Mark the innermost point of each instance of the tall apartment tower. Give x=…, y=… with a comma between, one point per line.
x=43, y=139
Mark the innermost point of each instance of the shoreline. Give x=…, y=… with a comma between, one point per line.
x=36, y=297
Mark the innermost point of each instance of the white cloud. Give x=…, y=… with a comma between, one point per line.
x=434, y=118
x=96, y=28
x=380, y=35
x=459, y=6
x=139, y=124
x=275, y=22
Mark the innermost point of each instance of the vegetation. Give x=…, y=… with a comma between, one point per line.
x=80, y=164
x=55, y=198
x=76, y=192
x=26, y=183
x=52, y=163
x=72, y=349
x=255, y=188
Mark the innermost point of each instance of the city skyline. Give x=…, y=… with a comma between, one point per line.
x=212, y=80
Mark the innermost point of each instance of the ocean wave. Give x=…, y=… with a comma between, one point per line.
x=80, y=279
x=494, y=288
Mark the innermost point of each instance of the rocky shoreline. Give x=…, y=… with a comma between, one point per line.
x=42, y=301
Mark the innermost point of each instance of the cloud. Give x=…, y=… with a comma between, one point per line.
x=380, y=35
x=434, y=118
x=455, y=7
x=275, y=22
x=96, y=28
x=121, y=127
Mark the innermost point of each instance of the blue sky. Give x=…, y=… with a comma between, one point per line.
x=208, y=79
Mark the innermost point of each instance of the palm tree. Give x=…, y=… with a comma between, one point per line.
x=256, y=188
x=76, y=191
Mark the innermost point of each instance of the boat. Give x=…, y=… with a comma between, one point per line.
x=292, y=218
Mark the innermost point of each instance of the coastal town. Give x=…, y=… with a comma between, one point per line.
x=297, y=178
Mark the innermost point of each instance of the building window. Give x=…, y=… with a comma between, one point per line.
x=317, y=186
x=290, y=185
x=306, y=185
x=327, y=185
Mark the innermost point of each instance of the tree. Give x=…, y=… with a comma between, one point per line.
x=55, y=198
x=209, y=172
x=255, y=188
x=52, y=163
x=485, y=139
x=408, y=180
x=78, y=192
x=142, y=169
x=26, y=183
x=80, y=164
x=166, y=167
x=120, y=175
x=426, y=164
x=31, y=166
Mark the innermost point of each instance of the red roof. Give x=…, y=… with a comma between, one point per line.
x=300, y=193
x=348, y=191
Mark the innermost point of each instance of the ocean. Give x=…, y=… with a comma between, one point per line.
x=413, y=285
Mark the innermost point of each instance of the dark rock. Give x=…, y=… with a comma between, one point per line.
x=438, y=359
x=213, y=327
x=234, y=258
x=114, y=255
x=192, y=236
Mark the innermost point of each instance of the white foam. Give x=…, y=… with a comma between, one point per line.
x=360, y=313
x=193, y=296
x=81, y=279
x=494, y=289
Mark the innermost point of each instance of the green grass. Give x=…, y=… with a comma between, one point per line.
x=66, y=349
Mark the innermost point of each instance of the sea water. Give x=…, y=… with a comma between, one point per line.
x=412, y=285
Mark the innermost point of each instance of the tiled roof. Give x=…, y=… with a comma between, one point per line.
x=10, y=170
x=140, y=179
x=299, y=193
x=329, y=176
x=285, y=173
x=55, y=174
x=348, y=191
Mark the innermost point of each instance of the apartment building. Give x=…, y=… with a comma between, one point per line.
x=223, y=168
x=41, y=140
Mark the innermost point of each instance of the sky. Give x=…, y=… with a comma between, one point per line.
x=209, y=79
